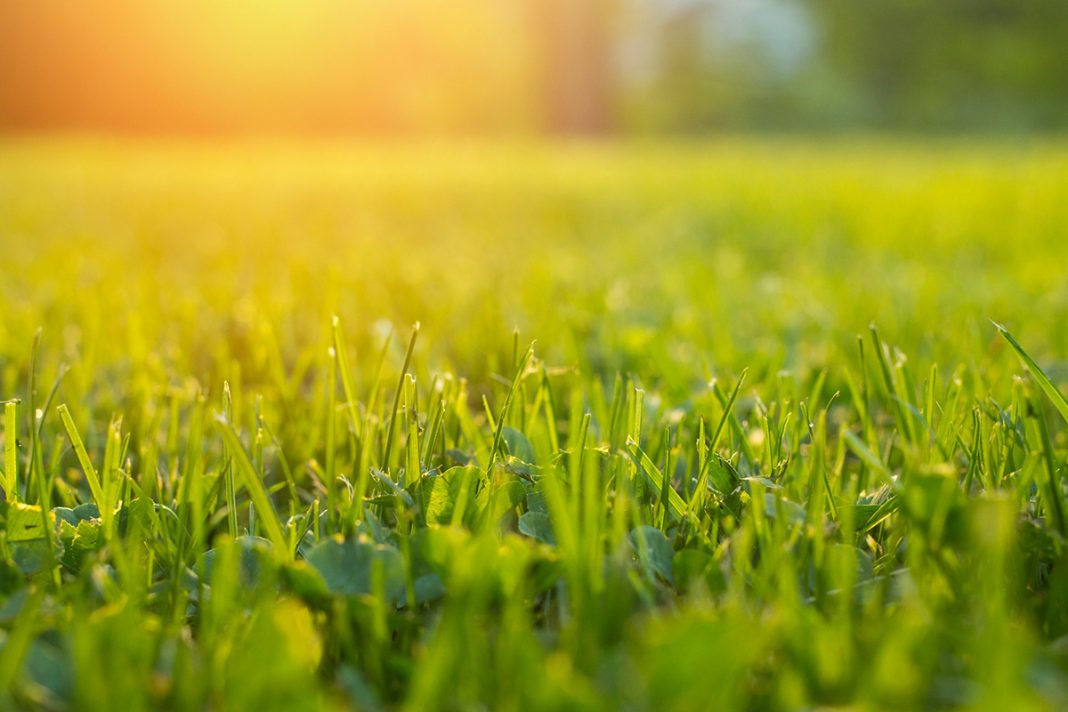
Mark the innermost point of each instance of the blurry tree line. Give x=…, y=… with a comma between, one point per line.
x=533, y=66
x=914, y=65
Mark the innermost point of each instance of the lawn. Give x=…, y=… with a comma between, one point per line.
x=725, y=425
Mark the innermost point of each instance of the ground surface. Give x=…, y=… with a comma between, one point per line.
x=709, y=484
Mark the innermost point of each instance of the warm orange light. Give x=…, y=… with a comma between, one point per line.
x=264, y=65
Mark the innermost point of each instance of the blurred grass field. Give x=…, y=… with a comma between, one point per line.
x=767, y=450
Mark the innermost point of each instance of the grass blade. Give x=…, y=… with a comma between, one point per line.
x=242, y=465
x=498, y=433
x=397, y=397
x=1047, y=386
x=11, y=475
x=83, y=459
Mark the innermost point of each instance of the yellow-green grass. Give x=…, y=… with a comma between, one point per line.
x=767, y=449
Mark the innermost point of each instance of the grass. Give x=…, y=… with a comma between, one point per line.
x=766, y=450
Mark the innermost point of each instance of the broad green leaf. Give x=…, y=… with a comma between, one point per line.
x=31, y=556
x=495, y=502
x=537, y=525
x=347, y=566
x=653, y=551
x=536, y=502
x=255, y=555
x=518, y=445
x=440, y=492
x=305, y=581
x=25, y=523
x=428, y=587
x=79, y=541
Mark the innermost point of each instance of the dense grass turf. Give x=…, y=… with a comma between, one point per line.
x=709, y=484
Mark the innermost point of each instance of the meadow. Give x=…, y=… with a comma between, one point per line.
x=725, y=425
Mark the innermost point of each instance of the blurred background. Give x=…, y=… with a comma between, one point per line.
x=532, y=67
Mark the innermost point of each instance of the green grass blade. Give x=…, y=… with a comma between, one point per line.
x=11, y=474
x=658, y=482
x=346, y=375
x=397, y=397
x=242, y=466
x=498, y=433
x=83, y=459
x=1052, y=392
